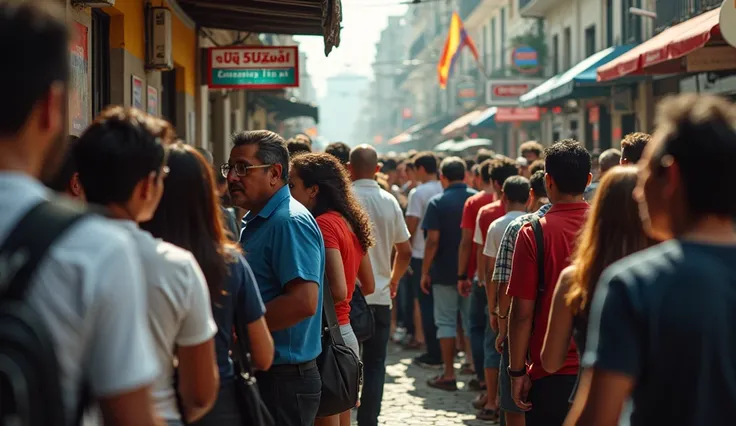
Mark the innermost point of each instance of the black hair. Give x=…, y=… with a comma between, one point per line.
x=632, y=146
x=34, y=45
x=191, y=183
x=426, y=160
x=568, y=162
x=536, y=166
x=502, y=169
x=516, y=189
x=61, y=180
x=389, y=165
x=537, y=184
x=295, y=146
x=339, y=150
x=469, y=163
x=483, y=155
x=609, y=159
x=271, y=148
x=453, y=169
x=485, y=171
x=699, y=133
x=121, y=148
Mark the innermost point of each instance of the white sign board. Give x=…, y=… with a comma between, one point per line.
x=728, y=21
x=507, y=92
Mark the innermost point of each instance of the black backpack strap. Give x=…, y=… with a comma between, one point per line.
x=30, y=240
x=541, y=284
x=329, y=316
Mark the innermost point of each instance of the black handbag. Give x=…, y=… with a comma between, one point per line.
x=253, y=410
x=339, y=366
x=361, y=316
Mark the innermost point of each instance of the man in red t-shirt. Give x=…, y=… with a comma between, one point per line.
x=544, y=395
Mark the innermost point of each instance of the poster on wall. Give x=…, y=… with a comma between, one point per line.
x=136, y=98
x=152, y=100
x=79, y=84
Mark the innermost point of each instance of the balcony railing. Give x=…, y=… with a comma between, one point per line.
x=467, y=7
x=672, y=12
x=417, y=46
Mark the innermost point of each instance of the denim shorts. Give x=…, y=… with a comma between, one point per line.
x=506, y=400
x=348, y=335
x=447, y=304
x=491, y=357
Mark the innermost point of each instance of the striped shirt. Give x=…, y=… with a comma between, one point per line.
x=502, y=270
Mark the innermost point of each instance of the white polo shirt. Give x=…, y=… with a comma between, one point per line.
x=389, y=229
x=417, y=206
x=91, y=293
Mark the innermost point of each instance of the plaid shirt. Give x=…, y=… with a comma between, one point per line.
x=502, y=270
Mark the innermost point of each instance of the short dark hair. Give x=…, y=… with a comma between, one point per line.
x=389, y=164
x=698, y=132
x=453, y=169
x=426, y=160
x=271, y=148
x=568, y=162
x=516, y=189
x=502, y=169
x=303, y=137
x=632, y=146
x=537, y=184
x=483, y=155
x=536, y=166
x=339, y=150
x=609, y=159
x=34, y=42
x=60, y=181
x=121, y=148
x=469, y=163
x=295, y=147
x=533, y=147
x=485, y=171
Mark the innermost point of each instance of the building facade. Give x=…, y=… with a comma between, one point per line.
x=341, y=107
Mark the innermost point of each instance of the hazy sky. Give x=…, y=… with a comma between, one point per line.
x=362, y=22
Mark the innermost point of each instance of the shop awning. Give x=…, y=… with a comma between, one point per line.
x=421, y=129
x=460, y=123
x=297, y=17
x=673, y=43
x=281, y=108
x=485, y=119
x=577, y=82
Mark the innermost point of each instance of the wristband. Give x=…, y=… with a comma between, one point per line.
x=516, y=373
x=462, y=277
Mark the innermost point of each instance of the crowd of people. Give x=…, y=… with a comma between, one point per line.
x=579, y=290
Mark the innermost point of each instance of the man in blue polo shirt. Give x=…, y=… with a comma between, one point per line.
x=284, y=247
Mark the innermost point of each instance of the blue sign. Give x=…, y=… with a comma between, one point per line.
x=525, y=59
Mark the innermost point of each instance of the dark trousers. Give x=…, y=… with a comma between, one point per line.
x=478, y=325
x=550, y=400
x=426, y=307
x=226, y=411
x=374, y=367
x=405, y=305
x=291, y=393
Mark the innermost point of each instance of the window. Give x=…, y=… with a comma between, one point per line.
x=567, y=49
x=168, y=96
x=100, y=61
x=485, y=45
x=555, y=54
x=630, y=23
x=609, y=23
x=493, y=44
x=590, y=41
x=503, y=38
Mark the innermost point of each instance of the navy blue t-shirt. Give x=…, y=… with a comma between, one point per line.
x=444, y=214
x=667, y=318
x=239, y=292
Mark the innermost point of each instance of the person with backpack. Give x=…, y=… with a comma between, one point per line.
x=122, y=160
x=74, y=327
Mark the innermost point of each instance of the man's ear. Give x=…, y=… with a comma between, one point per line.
x=145, y=186
x=378, y=169
x=276, y=170
x=75, y=186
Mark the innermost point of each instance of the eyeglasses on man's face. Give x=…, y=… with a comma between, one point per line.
x=240, y=169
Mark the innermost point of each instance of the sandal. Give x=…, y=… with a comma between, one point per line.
x=475, y=385
x=441, y=383
x=488, y=415
x=466, y=369
x=480, y=401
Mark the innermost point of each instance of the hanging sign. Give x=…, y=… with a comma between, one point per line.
x=727, y=21
x=525, y=59
x=253, y=67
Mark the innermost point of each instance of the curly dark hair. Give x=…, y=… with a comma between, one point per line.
x=335, y=192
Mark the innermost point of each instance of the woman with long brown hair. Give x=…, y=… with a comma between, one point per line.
x=322, y=185
x=189, y=216
x=612, y=231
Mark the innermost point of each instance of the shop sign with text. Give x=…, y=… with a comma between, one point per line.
x=508, y=92
x=253, y=67
x=506, y=115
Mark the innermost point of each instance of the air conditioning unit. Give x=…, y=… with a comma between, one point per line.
x=93, y=3
x=159, y=40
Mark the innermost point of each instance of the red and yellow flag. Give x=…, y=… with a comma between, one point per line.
x=457, y=38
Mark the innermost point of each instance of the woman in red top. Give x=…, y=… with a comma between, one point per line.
x=322, y=184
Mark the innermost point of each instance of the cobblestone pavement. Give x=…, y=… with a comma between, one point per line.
x=407, y=400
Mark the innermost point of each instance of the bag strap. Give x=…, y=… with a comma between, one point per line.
x=329, y=316
x=241, y=349
x=30, y=240
x=539, y=238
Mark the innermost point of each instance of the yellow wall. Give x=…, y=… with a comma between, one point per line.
x=127, y=31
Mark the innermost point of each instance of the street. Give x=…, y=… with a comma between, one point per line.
x=408, y=400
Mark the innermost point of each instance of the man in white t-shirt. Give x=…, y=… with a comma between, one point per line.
x=390, y=232
x=122, y=165
x=426, y=167
x=89, y=290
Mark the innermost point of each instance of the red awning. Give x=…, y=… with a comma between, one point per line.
x=672, y=43
x=460, y=123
